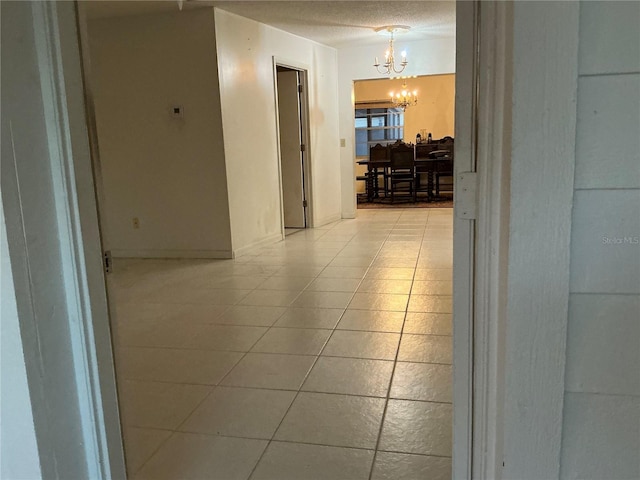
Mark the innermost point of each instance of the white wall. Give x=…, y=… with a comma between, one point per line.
x=542, y=101
x=168, y=172
x=601, y=428
x=247, y=92
x=428, y=57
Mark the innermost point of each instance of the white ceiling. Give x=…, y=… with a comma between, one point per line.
x=332, y=23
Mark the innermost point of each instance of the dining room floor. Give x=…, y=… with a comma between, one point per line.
x=324, y=356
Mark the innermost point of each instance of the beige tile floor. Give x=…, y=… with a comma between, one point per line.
x=325, y=356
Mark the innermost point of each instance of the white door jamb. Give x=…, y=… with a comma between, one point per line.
x=480, y=234
x=55, y=29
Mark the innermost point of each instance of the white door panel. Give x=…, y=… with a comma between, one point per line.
x=290, y=153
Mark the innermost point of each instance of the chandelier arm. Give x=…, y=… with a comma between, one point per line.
x=389, y=65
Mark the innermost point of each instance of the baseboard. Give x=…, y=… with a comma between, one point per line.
x=276, y=237
x=348, y=215
x=319, y=222
x=116, y=253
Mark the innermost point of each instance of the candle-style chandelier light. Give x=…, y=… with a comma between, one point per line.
x=389, y=66
x=404, y=98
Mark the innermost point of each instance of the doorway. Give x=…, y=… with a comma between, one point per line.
x=292, y=122
x=79, y=118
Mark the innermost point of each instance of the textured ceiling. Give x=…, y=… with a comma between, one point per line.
x=122, y=8
x=338, y=23
x=332, y=23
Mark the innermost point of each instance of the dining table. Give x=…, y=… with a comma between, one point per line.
x=427, y=165
x=372, y=186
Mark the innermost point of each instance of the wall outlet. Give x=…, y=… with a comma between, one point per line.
x=343, y=142
x=136, y=222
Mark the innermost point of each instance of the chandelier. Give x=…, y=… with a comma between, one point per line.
x=404, y=98
x=389, y=65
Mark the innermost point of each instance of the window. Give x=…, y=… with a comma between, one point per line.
x=377, y=125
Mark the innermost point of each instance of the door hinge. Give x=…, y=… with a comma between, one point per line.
x=108, y=264
x=304, y=203
x=303, y=147
x=465, y=197
x=300, y=88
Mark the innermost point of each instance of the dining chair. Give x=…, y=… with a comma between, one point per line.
x=444, y=168
x=402, y=171
x=424, y=170
x=380, y=152
x=367, y=187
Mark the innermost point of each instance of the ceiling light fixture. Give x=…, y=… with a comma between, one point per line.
x=389, y=65
x=404, y=98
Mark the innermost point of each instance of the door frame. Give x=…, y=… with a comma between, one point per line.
x=56, y=38
x=480, y=236
x=305, y=137
x=289, y=92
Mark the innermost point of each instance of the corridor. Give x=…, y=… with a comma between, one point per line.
x=325, y=356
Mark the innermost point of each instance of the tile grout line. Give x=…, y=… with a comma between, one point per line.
x=315, y=361
x=395, y=363
x=264, y=451
x=335, y=328
x=393, y=371
x=287, y=327
x=213, y=389
x=171, y=382
x=355, y=238
x=219, y=383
